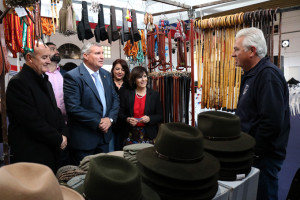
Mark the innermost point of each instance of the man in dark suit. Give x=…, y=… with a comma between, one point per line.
x=92, y=104
x=36, y=131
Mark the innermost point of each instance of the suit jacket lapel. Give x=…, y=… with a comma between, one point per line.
x=148, y=101
x=131, y=101
x=51, y=94
x=89, y=81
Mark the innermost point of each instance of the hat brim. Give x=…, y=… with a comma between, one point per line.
x=165, y=182
x=167, y=194
x=147, y=192
x=243, y=143
x=232, y=156
x=69, y=194
x=200, y=170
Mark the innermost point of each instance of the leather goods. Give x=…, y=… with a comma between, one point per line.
x=125, y=31
x=83, y=27
x=112, y=31
x=103, y=33
x=134, y=30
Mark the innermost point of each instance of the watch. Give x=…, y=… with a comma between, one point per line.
x=111, y=120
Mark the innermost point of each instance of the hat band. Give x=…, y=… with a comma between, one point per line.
x=222, y=138
x=164, y=157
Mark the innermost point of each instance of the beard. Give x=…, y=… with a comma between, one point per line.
x=55, y=58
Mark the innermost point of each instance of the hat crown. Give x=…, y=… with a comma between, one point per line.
x=179, y=142
x=107, y=173
x=30, y=181
x=219, y=125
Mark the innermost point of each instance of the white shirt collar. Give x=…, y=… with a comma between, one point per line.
x=89, y=70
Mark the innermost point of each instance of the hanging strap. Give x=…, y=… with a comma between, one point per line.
x=125, y=31
x=112, y=30
x=134, y=30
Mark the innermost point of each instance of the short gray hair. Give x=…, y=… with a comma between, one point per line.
x=254, y=37
x=87, y=48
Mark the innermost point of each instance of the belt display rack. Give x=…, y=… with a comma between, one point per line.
x=174, y=90
x=174, y=86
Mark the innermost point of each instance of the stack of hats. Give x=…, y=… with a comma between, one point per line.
x=177, y=167
x=131, y=150
x=223, y=139
x=114, y=178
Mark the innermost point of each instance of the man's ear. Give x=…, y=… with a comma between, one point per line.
x=28, y=57
x=85, y=56
x=253, y=50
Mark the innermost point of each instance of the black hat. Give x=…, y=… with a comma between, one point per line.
x=177, y=167
x=178, y=154
x=222, y=132
x=114, y=178
x=223, y=139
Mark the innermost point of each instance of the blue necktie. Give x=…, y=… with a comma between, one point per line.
x=100, y=89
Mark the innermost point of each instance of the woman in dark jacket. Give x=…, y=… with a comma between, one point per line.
x=141, y=109
x=120, y=75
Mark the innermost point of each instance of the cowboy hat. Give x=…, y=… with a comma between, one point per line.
x=31, y=181
x=178, y=154
x=108, y=173
x=222, y=132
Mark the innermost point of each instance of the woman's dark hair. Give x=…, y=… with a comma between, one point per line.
x=125, y=67
x=69, y=66
x=136, y=72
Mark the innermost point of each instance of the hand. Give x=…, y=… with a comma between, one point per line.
x=104, y=124
x=145, y=119
x=64, y=143
x=132, y=121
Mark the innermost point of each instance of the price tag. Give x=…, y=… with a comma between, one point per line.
x=21, y=12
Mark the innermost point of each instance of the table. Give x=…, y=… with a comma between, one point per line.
x=245, y=189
